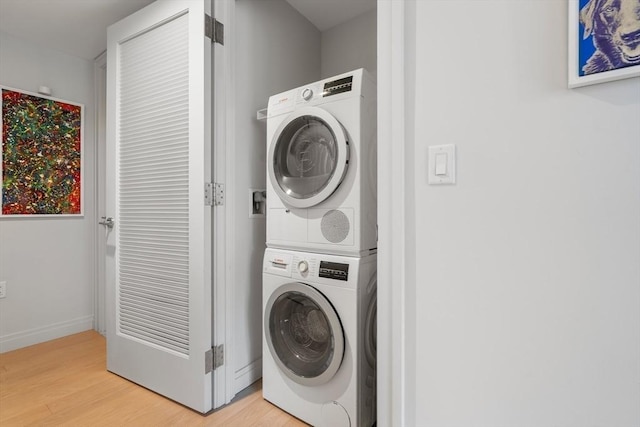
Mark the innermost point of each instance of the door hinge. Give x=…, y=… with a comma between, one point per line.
x=214, y=358
x=213, y=194
x=214, y=29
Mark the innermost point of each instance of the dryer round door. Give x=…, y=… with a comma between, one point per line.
x=304, y=334
x=308, y=157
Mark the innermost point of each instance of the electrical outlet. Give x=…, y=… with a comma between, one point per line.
x=3, y=289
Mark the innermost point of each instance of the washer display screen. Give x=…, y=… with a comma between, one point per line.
x=334, y=270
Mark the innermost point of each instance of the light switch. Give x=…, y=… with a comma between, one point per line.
x=442, y=164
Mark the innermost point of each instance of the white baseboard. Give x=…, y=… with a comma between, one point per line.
x=248, y=375
x=29, y=337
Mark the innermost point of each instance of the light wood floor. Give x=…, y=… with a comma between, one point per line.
x=65, y=382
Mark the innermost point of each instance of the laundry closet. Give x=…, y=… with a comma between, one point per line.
x=276, y=48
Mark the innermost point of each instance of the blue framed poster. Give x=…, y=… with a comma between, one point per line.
x=604, y=41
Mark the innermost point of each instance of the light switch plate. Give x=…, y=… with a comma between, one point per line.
x=449, y=151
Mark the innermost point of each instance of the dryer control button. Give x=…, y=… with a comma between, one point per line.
x=303, y=266
x=307, y=94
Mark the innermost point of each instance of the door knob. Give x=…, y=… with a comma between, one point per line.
x=109, y=222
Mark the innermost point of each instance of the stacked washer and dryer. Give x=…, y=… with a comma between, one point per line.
x=319, y=271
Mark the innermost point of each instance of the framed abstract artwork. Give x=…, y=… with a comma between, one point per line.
x=604, y=41
x=41, y=160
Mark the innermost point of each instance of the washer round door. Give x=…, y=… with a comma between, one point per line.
x=304, y=334
x=308, y=157
x=371, y=330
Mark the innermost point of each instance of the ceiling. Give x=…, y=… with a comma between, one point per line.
x=325, y=14
x=76, y=27
x=79, y=27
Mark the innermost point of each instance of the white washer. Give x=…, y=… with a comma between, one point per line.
x=322, y=166
x=319, y=342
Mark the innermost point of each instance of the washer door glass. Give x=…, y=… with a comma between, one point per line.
x=309, y=157
x=304, y=334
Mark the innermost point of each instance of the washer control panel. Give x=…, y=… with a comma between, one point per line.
x=309, y=266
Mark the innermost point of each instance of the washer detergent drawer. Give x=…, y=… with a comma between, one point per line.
x=278, y=263
x=286, y=225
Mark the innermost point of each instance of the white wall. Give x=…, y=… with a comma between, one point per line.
x=525, y=299
x=349, y=46
x=48, y=263
x=276, y=50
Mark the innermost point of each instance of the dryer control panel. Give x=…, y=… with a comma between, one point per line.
x=319, y=90
x=356, y=83
x=338, y=86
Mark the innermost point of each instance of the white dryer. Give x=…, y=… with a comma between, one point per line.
x=322, y=166
x=319, y=337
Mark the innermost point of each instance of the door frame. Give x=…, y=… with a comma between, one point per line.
x=223, y=244
x=396, y=306
x=395, y=330
x=100, y=108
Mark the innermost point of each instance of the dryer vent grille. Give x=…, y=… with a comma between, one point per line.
x=335, y=226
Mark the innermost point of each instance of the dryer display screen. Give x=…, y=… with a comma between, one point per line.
x=334, y=270
x=337, y=86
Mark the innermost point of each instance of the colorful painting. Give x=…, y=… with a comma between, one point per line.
x=41, y=155
x=604, y=40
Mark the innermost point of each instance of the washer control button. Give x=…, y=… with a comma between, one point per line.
x=303, y=266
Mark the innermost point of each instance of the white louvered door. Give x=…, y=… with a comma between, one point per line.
x=159, y=296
